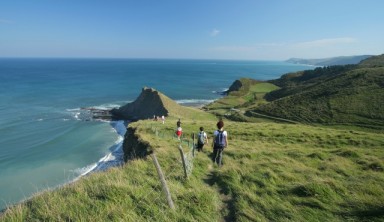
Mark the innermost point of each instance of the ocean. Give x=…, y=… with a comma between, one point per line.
x=47, y=140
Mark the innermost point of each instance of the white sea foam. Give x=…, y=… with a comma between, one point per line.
x=85, y=113
x=106, y=106
x=77, y=115
x=114, y=158
x=109, y=106
x=221, y=91
x=73, y=110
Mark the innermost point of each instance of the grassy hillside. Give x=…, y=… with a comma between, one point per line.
x=376, y=61
x=271, y=172
x=243, y=95
x=355, y=97
x=350, y=94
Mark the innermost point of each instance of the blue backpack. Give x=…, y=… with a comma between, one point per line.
x=220, y=140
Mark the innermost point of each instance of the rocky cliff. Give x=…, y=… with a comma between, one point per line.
x=149, y=103
x=134, y=146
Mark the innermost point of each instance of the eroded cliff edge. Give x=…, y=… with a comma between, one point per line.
x=134, y=146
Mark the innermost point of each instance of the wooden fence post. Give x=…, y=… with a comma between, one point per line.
x=193, y=144
x=163, y=182
x=183, y=160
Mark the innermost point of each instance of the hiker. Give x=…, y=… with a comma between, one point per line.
x=163, y=119
x=220, y=141
x=179, y=130
x=201, y=139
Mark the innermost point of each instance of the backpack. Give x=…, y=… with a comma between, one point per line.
x=220, y=140
x=201, y=138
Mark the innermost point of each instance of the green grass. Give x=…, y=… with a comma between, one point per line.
x=349, y=94
x=249, y=96
x=354, y=97
x=271, y=172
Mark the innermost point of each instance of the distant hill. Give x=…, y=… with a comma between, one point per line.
x=241, y=86
x=341, y=60
x=350, y=94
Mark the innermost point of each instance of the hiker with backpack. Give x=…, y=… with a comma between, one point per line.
x=201, y=139
x=220, y=141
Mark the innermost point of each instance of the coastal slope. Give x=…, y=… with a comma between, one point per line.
x=351, y=94
x=271, y=172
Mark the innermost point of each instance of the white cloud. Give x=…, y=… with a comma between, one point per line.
x=215, y=32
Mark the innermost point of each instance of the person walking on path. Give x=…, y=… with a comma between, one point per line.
x=179, y=130
x=201, y=139
x=220, y=141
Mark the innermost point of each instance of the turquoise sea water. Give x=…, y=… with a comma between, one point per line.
x=45, y=138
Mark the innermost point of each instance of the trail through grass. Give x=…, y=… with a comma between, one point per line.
x=270, y=172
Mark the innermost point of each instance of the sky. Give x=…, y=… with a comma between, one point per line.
x=191, y=29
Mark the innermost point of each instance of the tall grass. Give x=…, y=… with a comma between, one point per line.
x=270, y=172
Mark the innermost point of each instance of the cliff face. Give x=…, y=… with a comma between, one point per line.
x=236, y=85
x=134, y=146
x=149, y=103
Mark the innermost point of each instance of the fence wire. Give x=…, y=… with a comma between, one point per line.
x=188, y=145
x=156, y=195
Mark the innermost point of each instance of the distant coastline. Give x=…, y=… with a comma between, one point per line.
x=340, y=60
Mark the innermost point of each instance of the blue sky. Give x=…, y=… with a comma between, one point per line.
x=196, y=29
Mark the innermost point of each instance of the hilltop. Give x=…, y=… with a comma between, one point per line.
x=152, y=103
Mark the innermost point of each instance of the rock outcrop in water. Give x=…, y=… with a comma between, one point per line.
x=149, y=103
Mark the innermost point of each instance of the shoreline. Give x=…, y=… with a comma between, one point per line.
x=115, y=157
